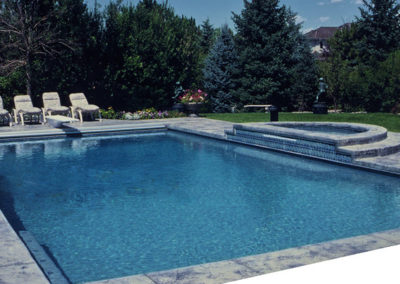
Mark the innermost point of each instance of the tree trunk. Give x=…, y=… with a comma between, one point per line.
x=28, y=73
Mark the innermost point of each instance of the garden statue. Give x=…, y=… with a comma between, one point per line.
x=179, y=91
x=322, y=89
x=321, y=107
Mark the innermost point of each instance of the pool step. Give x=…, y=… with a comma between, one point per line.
x=388, y=146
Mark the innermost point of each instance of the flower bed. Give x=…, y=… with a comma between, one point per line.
x=148, y=113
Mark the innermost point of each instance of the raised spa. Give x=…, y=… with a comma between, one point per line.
x=338, y=142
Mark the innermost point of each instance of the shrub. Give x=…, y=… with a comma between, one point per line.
x=110, y=113
x=152, y=113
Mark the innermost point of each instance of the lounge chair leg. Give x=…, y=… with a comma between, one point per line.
x=21, y=115
x=100, y=118
x=44, y=116
x=80, y=116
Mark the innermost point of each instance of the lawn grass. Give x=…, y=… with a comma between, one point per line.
x=390, y=121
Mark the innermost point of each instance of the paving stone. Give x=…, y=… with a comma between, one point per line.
x=391, y=236
x=137, y=279
x=209, y=273
x=22, y=273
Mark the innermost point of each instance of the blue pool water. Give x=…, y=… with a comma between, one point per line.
x=111, y=207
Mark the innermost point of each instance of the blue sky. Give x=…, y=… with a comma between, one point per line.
x=313, y=13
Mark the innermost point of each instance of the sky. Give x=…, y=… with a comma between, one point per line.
x=311, y=13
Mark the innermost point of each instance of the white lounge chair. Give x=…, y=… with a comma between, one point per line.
x=80, y=105
x=23, y=106
x=52, y=105
x=4, y=114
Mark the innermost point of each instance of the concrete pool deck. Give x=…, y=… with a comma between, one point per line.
x=18, y=266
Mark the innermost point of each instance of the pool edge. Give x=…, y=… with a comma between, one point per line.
x=256, y=265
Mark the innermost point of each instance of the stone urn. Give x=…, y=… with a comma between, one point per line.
x=178, y=107
x=193, y=108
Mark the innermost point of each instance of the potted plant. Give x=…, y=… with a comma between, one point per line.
x=193, y=100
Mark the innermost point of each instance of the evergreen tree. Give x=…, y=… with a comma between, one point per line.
x=267, y=44
x=303, y=70
x=218, y=70
x=379, y=29
x=344, y=44
x=207, y=36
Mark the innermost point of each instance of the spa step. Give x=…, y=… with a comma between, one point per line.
x=389, y=163
x=388, y=146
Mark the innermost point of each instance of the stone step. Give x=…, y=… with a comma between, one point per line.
x=389, y=163
x=388, y=146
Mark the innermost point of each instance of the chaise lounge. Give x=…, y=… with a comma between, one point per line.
x=23, y=106
x=52, y=105
x=80, y=105
x=4, y=114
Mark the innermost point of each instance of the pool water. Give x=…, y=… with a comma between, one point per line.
x=111, y=207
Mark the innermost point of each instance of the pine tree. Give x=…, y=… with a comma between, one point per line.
x=267, y=42
x=379, y=29
x=303, y=72
x=218, y=69
x=207, y=36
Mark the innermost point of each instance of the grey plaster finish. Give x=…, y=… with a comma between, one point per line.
x=254, y=265
x=16, y=264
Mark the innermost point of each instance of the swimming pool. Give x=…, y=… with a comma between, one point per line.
x=109, y=207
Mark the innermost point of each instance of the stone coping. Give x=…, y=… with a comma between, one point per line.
x=16, y=264
x=366, y=133
x=255, y=265
x=74, y=130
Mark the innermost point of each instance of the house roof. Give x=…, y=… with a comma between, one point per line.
x=322, y=33
x=325, y=32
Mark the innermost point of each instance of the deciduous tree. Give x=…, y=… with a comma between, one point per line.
x=26, y=33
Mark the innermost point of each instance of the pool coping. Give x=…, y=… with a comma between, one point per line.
x=260, y=264
x=13, y=270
